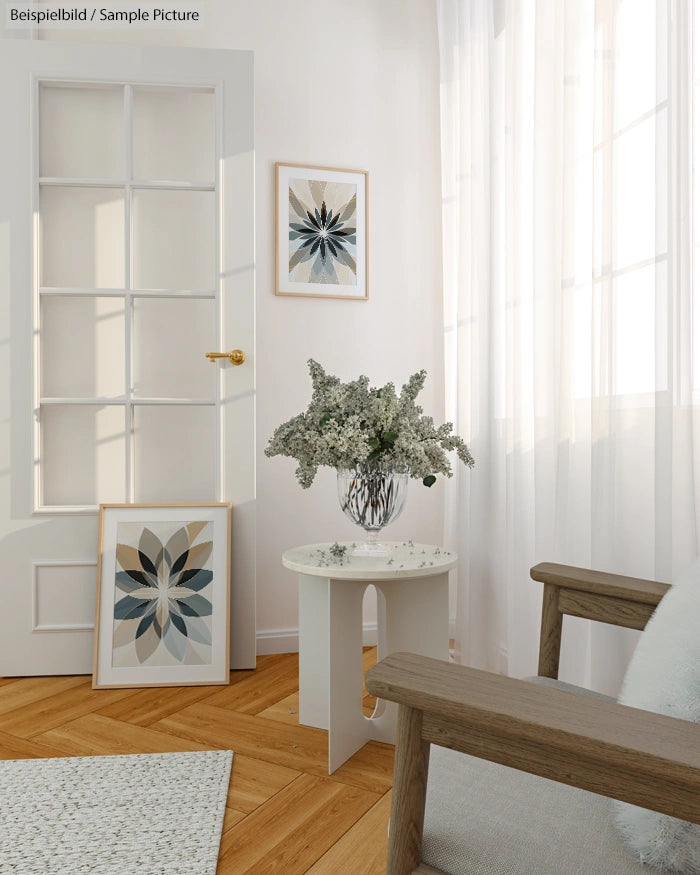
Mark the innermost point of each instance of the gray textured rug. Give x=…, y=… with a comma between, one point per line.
x=147, y=814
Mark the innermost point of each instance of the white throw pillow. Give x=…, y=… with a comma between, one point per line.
x=664, y=676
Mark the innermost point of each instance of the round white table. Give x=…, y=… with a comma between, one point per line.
x=412, y=615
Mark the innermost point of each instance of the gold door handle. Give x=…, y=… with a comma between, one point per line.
x=236, y=356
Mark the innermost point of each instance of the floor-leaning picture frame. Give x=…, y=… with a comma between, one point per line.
x=321, y=231
x=163, y=595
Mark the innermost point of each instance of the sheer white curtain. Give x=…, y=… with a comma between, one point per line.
x=568, y=146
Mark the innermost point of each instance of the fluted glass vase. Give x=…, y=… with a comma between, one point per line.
x=372, y=499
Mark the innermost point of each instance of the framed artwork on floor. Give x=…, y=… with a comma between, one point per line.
x=162, y=608
x=321, y=232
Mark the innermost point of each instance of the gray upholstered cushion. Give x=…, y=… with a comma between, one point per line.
x=486, y=819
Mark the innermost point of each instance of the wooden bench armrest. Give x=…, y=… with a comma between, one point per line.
x=634, y=589
x=637, y=756
x=594, y=595
x=621, y=752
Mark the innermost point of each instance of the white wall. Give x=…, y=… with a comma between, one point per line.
x=349, y=85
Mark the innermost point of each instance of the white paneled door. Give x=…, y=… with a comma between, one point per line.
x=126, y=254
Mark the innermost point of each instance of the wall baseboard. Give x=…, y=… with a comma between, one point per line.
x=287, y=640
x=277, y=641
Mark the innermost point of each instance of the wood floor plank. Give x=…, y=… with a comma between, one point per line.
x=369, y=658
x=13, y=748
x=274, y=681
x=96, y=735
x=52, y=711
x=20, y=692
x=284, y=711
x=368, y=705
x=145, y=707
x=296, y=827
x=254, y=781
x=296, y=747
x=362, y=850
x=231, y=818
x=371, y=767
x=264, y=660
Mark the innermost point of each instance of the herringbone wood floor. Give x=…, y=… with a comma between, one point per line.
x=284, y=812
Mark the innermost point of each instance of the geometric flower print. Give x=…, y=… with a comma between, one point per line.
x=162, y=610
x=322, y=232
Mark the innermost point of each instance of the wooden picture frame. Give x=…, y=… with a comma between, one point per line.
x=321, y=232
x=162, y=613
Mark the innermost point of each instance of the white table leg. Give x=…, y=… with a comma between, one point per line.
x=314, y=661
x=417, y=615
x=412, y=615
x=348, y=728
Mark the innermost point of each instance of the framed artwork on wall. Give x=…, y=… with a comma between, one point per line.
x=162, y=609
x=321, y=232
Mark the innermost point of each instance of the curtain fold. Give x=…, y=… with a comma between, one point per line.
x=568, y=203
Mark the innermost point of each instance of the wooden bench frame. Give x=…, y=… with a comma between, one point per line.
x=624, y=753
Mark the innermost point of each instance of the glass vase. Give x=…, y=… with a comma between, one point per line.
x=371, y=498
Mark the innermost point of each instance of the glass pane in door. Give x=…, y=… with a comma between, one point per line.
x=170, y=337
x=174, y=239
x=82, y=237
x=83, y=450
x=81, y=131
x=174, y=134
x=82, y=349
x=175, y=453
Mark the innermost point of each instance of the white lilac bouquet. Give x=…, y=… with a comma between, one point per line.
x=351, y=424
